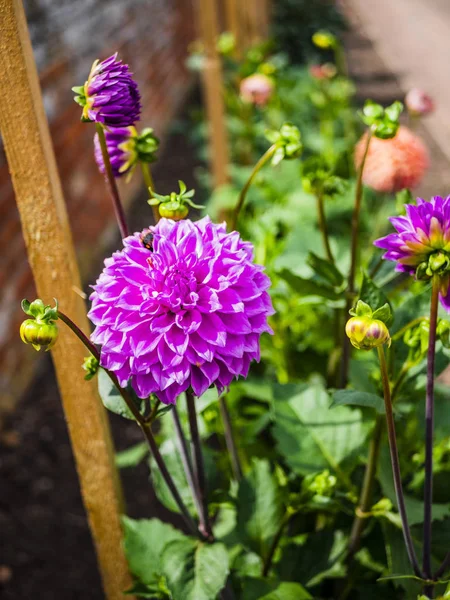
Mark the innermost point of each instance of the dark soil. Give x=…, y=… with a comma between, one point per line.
x=46, y=551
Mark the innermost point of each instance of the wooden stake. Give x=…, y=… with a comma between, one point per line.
x=213, y=91
x=51, y=255
x=233, y=22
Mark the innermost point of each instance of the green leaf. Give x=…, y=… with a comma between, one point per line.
x=131, y=456
x=288, y=591
x=414, y=507
x=383, y=313
x=307, y=287
x=194, y=570
x=326, y=269
x=259, y=507
x=174, y=464
x=372, y=295
x=144, y=542
x=312, y=437
x=141, y=590
x=357, y=398
x=111, y=398
x=262, y=589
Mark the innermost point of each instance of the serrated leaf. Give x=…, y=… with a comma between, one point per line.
x=357, y=398
x=259, y=507
x=307, y=287
x=311, y=437
x=194, y=570
x=144, y=542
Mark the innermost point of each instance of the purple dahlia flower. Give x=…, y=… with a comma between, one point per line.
x=110, y=95
x=187, y=312
x=121, y=150
x=422, y=240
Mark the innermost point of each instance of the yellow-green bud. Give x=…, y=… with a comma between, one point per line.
x=91, y=366
x=173, y=210
x=366, y=333
x=324, y=40
x=39, y=335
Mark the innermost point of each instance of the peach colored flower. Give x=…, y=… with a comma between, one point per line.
x=325, y=71
x=256, y=89
x=394, y=164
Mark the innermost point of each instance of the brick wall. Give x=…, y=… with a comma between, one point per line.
x=152, y=36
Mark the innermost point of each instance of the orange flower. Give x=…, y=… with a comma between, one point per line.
x=395, y=164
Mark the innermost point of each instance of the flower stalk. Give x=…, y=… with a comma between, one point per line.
x=118, y=208
x=149, y=184
x=396, y=464
x=429, y=430
x=199, y=467
x=268, y=154
x=323, y=227
x=143, y=424
x=229, y=439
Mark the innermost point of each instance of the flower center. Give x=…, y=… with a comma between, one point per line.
x=180, y=287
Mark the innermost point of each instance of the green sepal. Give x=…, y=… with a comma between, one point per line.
x=383, y=313
x=362, y=309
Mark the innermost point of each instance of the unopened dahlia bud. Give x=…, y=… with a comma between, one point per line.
x=366, y=333
x=256, y=89
x=419, y=103
x=91, y=366
x=393, y=164
x=324, y=40
x=40, y=331
x=322, y=484
x=110, y=95
x=174, y=206
x=288, y=142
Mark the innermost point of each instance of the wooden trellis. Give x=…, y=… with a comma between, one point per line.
x=51, y=255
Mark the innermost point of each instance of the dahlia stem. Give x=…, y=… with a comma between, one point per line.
x=396, y=464
x=148, y=180
x=118, y=208
x=229, y=439
x=274, y=545
x=365, y=500
x=199, y=467
x=354, y=255
x=429, y=431
x=261, y=162
x=323, y=227
x=144, y=425
x=185, y=458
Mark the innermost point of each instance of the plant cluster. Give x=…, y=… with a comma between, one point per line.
x=297, y=459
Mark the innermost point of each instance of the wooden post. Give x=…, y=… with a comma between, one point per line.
x=213, y=91
x=51, y=255
x=233, y=22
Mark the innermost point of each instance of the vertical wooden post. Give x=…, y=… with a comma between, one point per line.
x=51, y=255
x=213, y=91
x=233, y=22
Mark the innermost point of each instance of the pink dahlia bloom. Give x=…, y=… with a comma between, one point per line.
x=419, y=103
x=256, y=89
x=188, y=312
x=395, y=164
x=325, y=71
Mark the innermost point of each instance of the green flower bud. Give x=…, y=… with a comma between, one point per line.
x=91, y=366
x=226, y=43
x=322, y=484
x=39, y=334
x=287, y=142
x=366, y=333
x=173, y=210
x=438, y=262
x=324, y=40
x=384, y=122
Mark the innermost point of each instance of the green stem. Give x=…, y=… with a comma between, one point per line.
x=143, y=424
x=261, y=162
x=229, y=439
x=150, y=185
x=396, y=464
x=323, y=227
x=118, y=208
x=199, y=467
x=276, y=540
x=429, y=431
x=365, y=501
x=353, y=256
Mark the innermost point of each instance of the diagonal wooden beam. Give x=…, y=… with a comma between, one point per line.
x=31, y=161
